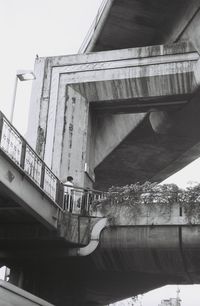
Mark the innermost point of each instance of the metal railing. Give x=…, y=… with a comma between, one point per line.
x=80, y=200
x=75, y=200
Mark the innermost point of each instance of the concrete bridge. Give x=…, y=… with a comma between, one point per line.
x=109, y=246
x=127, y=112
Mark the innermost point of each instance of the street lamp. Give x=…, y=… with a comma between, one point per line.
x=22, y=75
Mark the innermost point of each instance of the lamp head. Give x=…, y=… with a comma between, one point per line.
x=25, y=75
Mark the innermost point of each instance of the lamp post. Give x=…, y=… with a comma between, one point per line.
x=22, y=75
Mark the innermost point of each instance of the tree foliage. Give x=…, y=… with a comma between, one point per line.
x=153, y=194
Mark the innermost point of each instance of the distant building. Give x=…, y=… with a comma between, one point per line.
x=172, y=301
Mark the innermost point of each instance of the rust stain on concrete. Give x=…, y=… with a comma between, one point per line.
x=40, y=140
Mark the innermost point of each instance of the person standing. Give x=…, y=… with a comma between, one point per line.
x=68, y=194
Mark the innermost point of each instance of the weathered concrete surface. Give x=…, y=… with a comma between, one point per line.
x=82, y=98
x=190, y=30
x=131, y=23
x=76, y=229
x=151, y=214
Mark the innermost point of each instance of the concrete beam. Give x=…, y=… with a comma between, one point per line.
x=157, y=250
x=152, y=214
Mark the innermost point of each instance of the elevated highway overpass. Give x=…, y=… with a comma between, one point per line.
x=119, y=248
x=122, y=24
x=126, y=24
x=159, y=248
x=126, y=110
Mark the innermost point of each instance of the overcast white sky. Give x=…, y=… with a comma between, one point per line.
x=58, y=27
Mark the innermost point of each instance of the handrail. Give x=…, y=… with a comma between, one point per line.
x=80, y=200
x=14, y=145
x=84, y=189
x=22, y=154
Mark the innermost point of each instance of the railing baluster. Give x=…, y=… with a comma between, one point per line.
x=23, y=153
x=50, y=183
x=33, y=165
x=11, y=142
x=82, y=198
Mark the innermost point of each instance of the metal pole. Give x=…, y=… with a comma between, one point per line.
x=13, y=99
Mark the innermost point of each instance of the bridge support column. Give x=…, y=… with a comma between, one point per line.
x=74, y=137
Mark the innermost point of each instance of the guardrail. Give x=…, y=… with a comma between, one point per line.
x=74, y=200
x=80, y=200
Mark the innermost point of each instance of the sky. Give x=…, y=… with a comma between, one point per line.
x=43, y=27
x=50, y=28
x=189, y=296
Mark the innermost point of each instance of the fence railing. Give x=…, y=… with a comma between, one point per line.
x=74, y=200
x=79, y=200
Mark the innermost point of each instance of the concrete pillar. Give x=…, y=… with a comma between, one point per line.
x=74, y=138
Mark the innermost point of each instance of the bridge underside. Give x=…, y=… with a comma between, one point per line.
x=132, y=259
x=128, y=24
x=132, y=23
x=170, y=141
